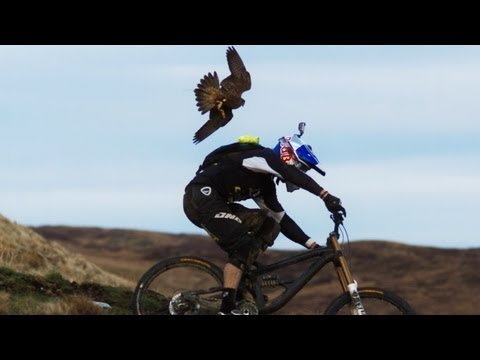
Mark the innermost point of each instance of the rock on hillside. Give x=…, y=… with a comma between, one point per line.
x=24, y=250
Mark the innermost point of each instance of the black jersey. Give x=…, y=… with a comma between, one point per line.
x=250, y=175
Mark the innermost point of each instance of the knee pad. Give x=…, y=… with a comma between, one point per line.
x=248, y=248
x=244, y=254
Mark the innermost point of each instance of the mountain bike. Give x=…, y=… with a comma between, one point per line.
x=189, y=285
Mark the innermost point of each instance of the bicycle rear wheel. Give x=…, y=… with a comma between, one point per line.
x=171, y=277
x=375, y=301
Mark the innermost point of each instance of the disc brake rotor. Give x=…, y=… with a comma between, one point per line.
x=179, y=305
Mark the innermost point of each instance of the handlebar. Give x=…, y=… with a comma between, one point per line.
x=338, y=220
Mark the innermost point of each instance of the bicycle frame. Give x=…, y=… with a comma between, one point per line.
x=254, y=281
x=331, y=253
x=325, y=256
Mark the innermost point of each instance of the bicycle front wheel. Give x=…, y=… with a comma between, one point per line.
x=375, y=301
x=171, y=277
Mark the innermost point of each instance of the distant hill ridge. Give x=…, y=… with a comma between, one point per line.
x=433, y=280
x=24, y=250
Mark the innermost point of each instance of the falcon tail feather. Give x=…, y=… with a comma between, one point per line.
x=207, y=92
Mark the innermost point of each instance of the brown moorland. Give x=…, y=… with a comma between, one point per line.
x=433, y=280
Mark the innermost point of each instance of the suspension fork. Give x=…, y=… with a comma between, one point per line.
x=341, y=266
x=345, y=276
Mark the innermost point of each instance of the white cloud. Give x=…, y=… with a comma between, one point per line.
x=370, y=97
x=414, y=175
x=154, y=208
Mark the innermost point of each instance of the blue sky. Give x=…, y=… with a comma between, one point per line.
x=102, y=135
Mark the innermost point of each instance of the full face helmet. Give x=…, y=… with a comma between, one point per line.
x=293, y=151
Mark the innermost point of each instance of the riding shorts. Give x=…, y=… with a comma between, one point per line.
x=242, y=232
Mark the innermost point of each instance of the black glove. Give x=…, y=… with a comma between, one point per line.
x=334, y=204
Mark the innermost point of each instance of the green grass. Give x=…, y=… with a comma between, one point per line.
x=30, y=294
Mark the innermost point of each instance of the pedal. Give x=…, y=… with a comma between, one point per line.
x=247, y=308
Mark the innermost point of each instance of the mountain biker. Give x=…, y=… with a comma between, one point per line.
x=246, y=170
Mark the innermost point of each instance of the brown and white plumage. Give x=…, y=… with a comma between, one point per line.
x=220, y=98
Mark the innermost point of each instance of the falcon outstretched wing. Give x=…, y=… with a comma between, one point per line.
x=215, y=122
x=239, y=72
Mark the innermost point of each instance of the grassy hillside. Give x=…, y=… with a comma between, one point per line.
x=25, y=294
x=24, y=250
